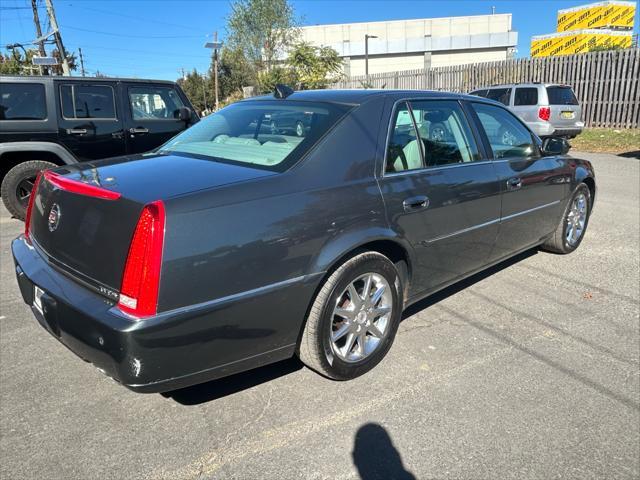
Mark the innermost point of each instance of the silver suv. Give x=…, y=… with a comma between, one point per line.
x=550, y=110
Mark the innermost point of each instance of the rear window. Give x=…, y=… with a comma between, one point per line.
x=526, y=96
x=269, y=135
x=479, y=93
x=561, y=96
x=22, y=101
x=501, y=95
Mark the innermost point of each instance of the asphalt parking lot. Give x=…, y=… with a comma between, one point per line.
x=531, y=370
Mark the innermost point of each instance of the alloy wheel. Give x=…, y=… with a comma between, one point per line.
x=361, y=318
x=23, y=190
x=576, y=219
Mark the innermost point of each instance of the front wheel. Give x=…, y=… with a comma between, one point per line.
x=354, y=318
x=570, y=232
x=18, y=183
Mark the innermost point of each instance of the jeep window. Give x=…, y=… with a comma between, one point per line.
x=526, y=96
x=22, y=101
x=561, y=96
x=501, y=95
x=243, y=133
x=154, y=103
x=87, y=101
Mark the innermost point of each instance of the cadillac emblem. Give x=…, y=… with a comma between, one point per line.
x=54, y=217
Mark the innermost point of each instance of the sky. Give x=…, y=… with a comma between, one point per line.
x=159, y=38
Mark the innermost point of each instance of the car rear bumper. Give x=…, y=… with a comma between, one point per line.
x=172, y=350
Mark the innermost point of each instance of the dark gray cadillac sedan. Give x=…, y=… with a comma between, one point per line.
x=237, y=244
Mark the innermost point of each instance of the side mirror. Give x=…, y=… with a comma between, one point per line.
x=553, y=146
x=184, y=114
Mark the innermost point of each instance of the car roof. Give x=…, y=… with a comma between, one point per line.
x=40, y=79
x=523, y=84
x=356, y=96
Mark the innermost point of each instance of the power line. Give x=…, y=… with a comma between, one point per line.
x=129, y=36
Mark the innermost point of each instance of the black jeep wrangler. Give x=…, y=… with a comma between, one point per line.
x=49, y=121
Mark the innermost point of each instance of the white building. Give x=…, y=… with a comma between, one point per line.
x=419, y=43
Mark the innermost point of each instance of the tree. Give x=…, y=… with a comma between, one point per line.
x=314, y=67
x=261, y=30
x=234, y=72
x=199, y=89
x=15, y=63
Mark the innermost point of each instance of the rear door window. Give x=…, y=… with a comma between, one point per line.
x=561, y=96
x=87, y=101
x=479, y=93
x=22, y=101
x=501, y=95
x=526, y=96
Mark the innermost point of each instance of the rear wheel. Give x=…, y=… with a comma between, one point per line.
x=570, y=231
x=354, y=318
x=18, y=183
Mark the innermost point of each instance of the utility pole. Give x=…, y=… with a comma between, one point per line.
x=58, y=37
x=36, y=22
x=215, y=46
x=366, y=56
x=81, y=61
x=215, y=68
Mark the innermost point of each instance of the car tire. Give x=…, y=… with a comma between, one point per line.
x=299, y=129
x=573, y=224
x=322, y=349
x=15, y=184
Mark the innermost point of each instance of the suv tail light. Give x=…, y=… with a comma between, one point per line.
x=141, y=279
x=544, y=113
x=27, y=219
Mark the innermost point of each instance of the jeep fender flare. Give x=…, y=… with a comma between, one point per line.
x=62, y=153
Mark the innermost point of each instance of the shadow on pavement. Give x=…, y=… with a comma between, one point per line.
x=206, y=392
x=466, y=283
x=632, y=154
x=375, y=456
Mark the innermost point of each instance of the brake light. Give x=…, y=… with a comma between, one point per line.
x=81, y=188
x=27, y=219
x=141, y=279
x=544, y=113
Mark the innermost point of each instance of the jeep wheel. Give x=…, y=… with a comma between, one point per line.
x=17, y=185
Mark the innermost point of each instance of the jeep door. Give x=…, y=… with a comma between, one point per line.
x=440, y=190
x=90, y=119
x=533, y=186
x=152, y=115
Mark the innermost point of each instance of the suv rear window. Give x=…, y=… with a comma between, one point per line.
x=526, y=96
x=501, y=95
x=22, y=101
x=561, y=96
x=479, y=93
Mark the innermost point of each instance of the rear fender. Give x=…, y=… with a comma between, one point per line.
x=50, y=147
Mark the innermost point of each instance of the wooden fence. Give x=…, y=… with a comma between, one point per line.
x=607, y=84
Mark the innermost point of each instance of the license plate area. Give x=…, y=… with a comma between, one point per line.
x=567, y=115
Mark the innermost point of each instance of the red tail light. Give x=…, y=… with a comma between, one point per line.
x=81, y=188
x=544, y=113
x=141, y=279
x=27, y=219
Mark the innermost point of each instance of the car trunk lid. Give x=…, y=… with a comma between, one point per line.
x=565, y=109
x=84, y=216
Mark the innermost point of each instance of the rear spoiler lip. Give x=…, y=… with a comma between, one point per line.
x=80, y=188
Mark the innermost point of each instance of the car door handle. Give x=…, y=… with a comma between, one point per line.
x=514, y=183
x=415, y=203
x=76, y=131
x=135, y=131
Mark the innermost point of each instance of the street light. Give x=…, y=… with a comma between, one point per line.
x=215, y=46
x=366, y=55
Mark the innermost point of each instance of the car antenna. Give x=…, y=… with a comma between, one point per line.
x=282, y=90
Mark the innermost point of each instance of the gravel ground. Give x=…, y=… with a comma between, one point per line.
x=530, y=370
